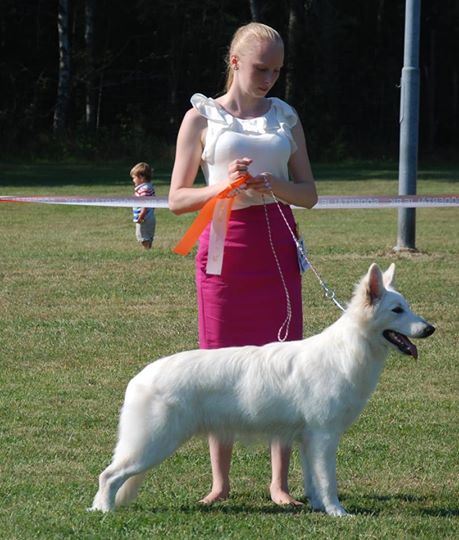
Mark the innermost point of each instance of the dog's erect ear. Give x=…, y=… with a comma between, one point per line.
x=389, y=276
x=375, y=283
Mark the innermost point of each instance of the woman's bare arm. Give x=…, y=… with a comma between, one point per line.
x=183, y=197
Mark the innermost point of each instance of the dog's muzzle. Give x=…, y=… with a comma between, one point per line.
x=403, y=344
x=428, y=331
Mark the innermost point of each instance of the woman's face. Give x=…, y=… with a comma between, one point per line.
x=258, y=69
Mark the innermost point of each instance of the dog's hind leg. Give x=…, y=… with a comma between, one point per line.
x=111, y=480
x=129, y=489
x=147, y=436
x=120, y=481
x=321, y=459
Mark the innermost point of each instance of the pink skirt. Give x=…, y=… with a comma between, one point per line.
x=246, y=304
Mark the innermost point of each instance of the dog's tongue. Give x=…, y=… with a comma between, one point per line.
x=411, y=348
x=402, y=342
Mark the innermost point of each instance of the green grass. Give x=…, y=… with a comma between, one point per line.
x=84, y=308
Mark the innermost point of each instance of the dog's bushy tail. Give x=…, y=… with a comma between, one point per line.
x=128, y=491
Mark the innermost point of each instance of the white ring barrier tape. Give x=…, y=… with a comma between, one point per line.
x=113, y=202
x=326, y=202
x=383, y=201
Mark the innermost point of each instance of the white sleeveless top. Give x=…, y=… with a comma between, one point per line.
x=267, y=140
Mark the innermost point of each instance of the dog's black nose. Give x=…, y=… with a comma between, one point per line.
x=428, y=331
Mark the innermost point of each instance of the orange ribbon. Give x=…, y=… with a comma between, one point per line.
x=205, y=216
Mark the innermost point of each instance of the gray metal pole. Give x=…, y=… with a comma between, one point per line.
x=409, y=124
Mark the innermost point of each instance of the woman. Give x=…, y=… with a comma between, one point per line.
x=256, y=297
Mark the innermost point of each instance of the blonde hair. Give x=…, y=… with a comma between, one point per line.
x=142, y=169
x=244, y=37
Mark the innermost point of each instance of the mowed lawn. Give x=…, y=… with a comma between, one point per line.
x=83, y=308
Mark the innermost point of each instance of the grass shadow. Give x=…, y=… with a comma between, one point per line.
x=369, y=505
x=49, y=174
x=241, y=508
x=54, y=174
x=388, y=171
x=378, y=504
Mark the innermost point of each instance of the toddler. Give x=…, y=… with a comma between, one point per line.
x=144, y=218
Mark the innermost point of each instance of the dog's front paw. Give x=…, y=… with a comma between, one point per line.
x=95, y=508
x=336, y=511
x=99, y=505
x=316, y=505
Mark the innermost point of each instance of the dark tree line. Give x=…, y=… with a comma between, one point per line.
x=113, y=78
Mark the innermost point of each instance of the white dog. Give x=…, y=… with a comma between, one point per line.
x=309, y=391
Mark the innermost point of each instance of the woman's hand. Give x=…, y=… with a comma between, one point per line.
x=262, y=183
x=237, y=168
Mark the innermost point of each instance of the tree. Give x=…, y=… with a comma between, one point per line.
x=63, y=86
x=90, y=110
x=255, y=10
x=295, y=25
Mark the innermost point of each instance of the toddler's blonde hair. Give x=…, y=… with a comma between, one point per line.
x=142, y=169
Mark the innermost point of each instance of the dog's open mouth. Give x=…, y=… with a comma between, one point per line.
x=402, y=343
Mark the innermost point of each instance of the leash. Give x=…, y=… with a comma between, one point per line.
x=328, y=291
x=282, y=333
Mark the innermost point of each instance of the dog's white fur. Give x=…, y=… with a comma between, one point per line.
x=309, y=390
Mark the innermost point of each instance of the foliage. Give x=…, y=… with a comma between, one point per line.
x=84, y=308
x=150, y=57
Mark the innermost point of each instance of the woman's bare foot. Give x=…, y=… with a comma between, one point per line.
x=215, y=496
x=280, y=459
x=220, y=459
x=282, y=497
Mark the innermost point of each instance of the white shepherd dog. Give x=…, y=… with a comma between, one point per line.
x=309, y=391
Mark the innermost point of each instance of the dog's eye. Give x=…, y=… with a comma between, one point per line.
x=398, y=310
